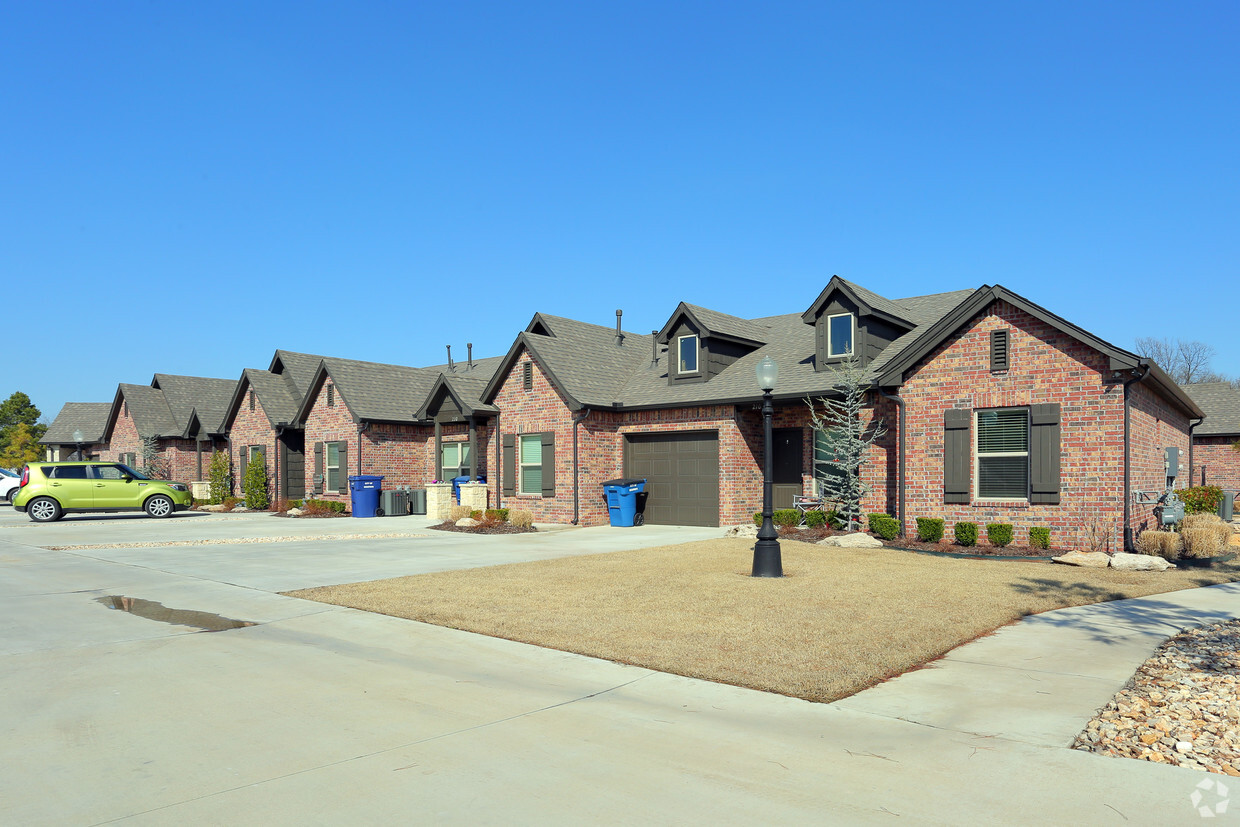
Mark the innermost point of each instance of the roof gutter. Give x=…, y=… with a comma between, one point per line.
x=900, y=472
x=578, y=418
x=1138, y=374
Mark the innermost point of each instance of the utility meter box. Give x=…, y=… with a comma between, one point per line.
x=1171, y=461
x=1173, y=512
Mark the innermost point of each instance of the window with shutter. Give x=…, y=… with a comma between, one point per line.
x=1003, y=454
x=530, y=458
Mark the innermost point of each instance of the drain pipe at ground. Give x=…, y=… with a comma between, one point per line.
x=899, y=482
x=1128, y=544
x=577, y=420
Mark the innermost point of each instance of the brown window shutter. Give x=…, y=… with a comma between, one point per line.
x=318, y=468
x=343, y=476
x=1044, y=454
x=509, y=474
x=999, y=341
x=548, y=464
x=820, y=343
x=956, y=454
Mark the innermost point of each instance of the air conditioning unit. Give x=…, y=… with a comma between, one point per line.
x=394, y=503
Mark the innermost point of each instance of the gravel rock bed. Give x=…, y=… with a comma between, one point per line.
x=1181, y=707
x=235, y=541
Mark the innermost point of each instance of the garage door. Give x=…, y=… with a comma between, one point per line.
x=682, y=470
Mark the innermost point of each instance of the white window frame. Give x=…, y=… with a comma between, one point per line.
x=697, y=355
x=977, y=459
x=522, y=464
x=852, y=335
x=328, y=467
x=462, y=463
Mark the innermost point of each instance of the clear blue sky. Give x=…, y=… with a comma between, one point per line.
x=185, y=188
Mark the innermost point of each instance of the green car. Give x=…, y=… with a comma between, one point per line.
x=49, y=490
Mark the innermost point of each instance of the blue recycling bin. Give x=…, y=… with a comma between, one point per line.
x=622, y=500
x=364, y=490
x=456, y=484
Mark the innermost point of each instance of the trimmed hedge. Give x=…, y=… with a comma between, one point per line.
x=1040, y=537
x=886, y=527
x=814, y=519
x=966, y=534
x=786, y=517
x=500, y=514
x=999, y=534
x=929, y=530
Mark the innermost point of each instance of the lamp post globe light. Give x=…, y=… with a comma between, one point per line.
x=77, y=440
x=767, y=561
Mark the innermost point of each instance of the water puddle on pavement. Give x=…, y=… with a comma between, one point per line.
x=149, y=609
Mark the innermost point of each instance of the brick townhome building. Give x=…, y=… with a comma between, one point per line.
x=262, y=419
x=996, y=410
x=404, y=423
x=87, y=420
x=1214, y=460
x=184, y=414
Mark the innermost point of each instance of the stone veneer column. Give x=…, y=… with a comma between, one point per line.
x=474, y=495
x=438, y=500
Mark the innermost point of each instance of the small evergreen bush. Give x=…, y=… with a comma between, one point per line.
x=786, y=517
x=255, y=486
x=870, y=518
x=999, y=534
x=314, y=507
x=815, y=519
x=218, y=481
x=500, y=514
x=1203, y=499
x=929, y=529
x=886, y=527
x=1040, y=537
x=834, y=520
x=966, y=534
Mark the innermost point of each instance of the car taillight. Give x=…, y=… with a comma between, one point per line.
x=25, y=476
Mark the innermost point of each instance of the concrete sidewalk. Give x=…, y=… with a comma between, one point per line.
x=324, y=714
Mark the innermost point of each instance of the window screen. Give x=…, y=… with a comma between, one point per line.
x=1003, y=454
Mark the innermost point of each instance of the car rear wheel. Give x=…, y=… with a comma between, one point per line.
x=159, y=506
x=43, y=510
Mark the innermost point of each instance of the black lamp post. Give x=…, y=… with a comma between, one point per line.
x=77, y=439
x=766, y=557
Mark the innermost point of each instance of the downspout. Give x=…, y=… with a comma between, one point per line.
x=1143, y=370
x=900, y=472
x=1191, y=426
x=362, y=427
x=577, y=420
x=499, y=466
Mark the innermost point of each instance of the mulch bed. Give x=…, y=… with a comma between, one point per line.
x=982, y=549
x=484, y=528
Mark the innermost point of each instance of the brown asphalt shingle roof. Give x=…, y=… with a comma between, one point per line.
x=91, y=418
x=393, y=393
x=149, y=409
x=186, y=395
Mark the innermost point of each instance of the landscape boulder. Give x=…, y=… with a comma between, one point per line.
x=742, y=531
x=1086, y=559
x=467, y=522
x=855, y=540
x=1139, y=562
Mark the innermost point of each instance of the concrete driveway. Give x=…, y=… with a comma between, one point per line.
x=319, y=714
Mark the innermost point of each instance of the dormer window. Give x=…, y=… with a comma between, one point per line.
x=840, y=329
x=687, y=354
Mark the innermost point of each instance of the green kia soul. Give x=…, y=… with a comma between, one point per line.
x=49, y=490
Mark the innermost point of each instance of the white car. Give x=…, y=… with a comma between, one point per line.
x=9, y=485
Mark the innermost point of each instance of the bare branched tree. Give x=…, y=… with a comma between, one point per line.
x=849, y=436
x=1185, y=362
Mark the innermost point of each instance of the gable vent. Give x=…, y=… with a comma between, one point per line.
x=999, y=350
x=527, y=376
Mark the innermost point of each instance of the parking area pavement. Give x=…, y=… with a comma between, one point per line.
x=320, y=714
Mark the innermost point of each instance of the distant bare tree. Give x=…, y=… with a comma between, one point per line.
x=1185, y=362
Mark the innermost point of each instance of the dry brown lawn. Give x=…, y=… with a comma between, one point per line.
x=839, y=621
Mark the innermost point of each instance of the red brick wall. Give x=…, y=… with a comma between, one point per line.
x=124, y=439
x=182, y=458
x=1045, y=366
x=250, y=427
x=1220, y=463
x=1153, y=425
x=334, y=424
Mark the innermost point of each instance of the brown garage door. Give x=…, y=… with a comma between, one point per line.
x=682, y=472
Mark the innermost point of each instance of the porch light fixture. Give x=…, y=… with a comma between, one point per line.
x=767, y=561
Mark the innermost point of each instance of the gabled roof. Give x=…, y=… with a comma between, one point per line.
x=298, y=370
x=274, y=393
x=376, y=392
x=1220, y=401
x=91, y=418
x=715, y=325
x=147, y=407
x=870, y=303
x=465, y=391
x=186, y=395
x=581, y=360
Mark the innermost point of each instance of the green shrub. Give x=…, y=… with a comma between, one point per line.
x=786, y=517
x=833, y=520
x=218, y=481
x=1040, y=537
x=966, y=534
x=870, y=518
x=999, y=534
x=1203, y=499
x=255, y=486
x=929, y=530
x=500, y=514
x=815, y=519
x=476, y=514
x=325, y=505
x=293, y=503
x=886, y=527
